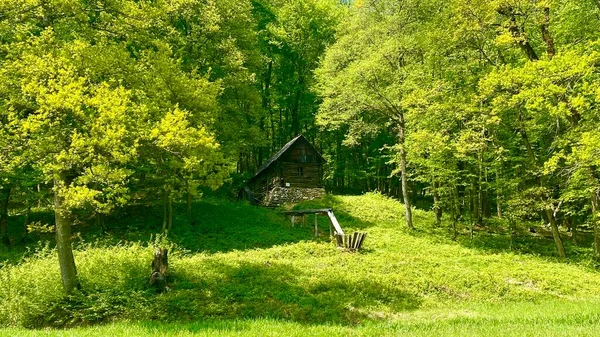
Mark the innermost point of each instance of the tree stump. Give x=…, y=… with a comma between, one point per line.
x=158, y=278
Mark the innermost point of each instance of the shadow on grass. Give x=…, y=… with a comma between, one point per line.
x=494, y=238
x=215, y=226
x=278, y=291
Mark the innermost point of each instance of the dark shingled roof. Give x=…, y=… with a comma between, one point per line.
x=279, y=153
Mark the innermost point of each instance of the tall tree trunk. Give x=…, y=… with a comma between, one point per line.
x=549, y=213
x=498, y=196
x=573, y=227
x=456, y=211
x=595, y=204
x=556, y=234
x=403, y=178
x=165, y=211
x=64, y=247
x=26, y=223
x=480, y=192
x=436, y=204
x=5, y=199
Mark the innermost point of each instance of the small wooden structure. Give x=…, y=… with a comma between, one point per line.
x=297, y=164
x=352, y=242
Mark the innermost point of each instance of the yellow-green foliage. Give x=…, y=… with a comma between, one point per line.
x=303, y=280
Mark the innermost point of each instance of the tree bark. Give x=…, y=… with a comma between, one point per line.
x=160, y=265
x=556, y=234
x=436, y=204
x=595, y=204
x=551, y=51
x=403, y=173
x=64, y=247
x=26, y=223
x=4, y=215
x=498, y=196
x=549, y=213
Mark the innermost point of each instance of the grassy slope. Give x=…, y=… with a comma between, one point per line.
x=243, y=270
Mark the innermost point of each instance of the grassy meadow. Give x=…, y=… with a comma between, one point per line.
x=241, y=270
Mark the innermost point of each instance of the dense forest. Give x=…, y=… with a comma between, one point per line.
x=474, y=109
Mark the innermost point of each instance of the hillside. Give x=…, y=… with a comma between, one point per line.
x=243, y=269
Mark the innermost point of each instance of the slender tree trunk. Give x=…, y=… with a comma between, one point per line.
x=498, y=196
x=573, y=226
x=549, y=213
x=436, y=204
x=403, y=173
x=556, y=234
x=170, y=202
x=480, y=192
x=64, y=247
x=26, y=223
x=5, y=195
x=165, y=211
x=455, y=212
x=595, y=204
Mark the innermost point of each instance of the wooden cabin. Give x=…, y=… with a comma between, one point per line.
x=297, y=165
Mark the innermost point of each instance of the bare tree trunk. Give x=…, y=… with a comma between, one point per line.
x=498, y=197
x=556, y=234
x=26, y=223
x=480, y=192
x=4, y=215
x=165, y=212
x=595, y=203
x=455, y=212
x=436, y=204
x=403, y=178
x=64, y=247
x=573, y=227
x=549, y=213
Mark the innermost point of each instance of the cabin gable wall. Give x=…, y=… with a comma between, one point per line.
x=300, y=166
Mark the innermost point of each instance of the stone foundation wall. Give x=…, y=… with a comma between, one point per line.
x=291, y=195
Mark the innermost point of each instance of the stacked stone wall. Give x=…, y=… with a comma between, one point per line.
x=291, y=195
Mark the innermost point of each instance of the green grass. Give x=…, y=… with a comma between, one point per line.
x=552, y=318
x=243, y=270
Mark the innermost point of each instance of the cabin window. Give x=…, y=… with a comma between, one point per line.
x=307, y=158
x=299, y=172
